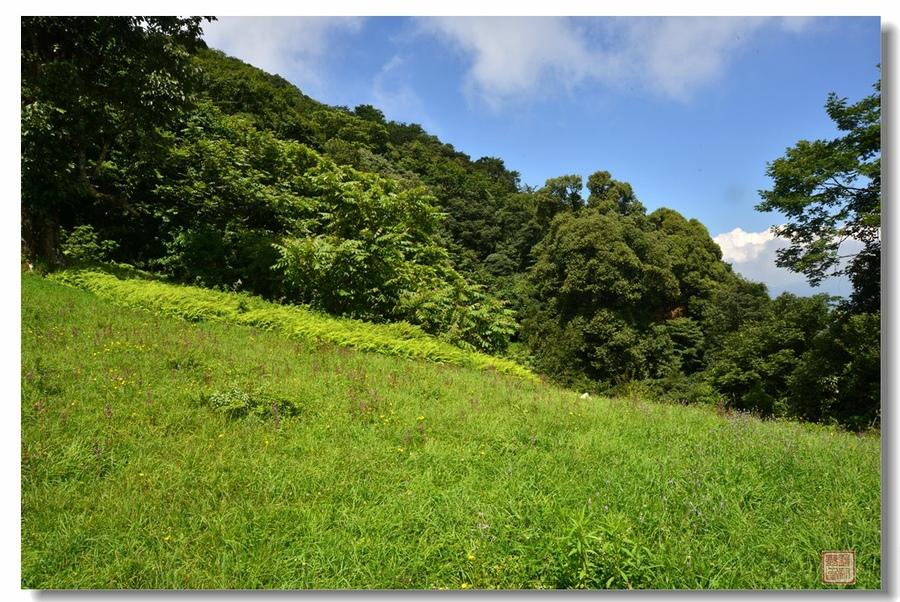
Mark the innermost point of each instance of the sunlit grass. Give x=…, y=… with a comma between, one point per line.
x=159, y=453
x=200, y=304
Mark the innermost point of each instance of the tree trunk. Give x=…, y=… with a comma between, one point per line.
x=40, y=237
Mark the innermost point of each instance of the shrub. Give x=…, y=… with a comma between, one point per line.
x=83, y=244
x=237, y=403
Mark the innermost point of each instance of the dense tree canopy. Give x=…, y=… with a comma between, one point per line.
x=619, y=295
x=95, y=92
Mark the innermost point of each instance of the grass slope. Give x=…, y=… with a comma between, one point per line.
x=158, y=453
x=200, y=304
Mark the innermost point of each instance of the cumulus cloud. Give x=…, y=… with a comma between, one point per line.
x=672, y=56
x=282, y=45
x=739, y=246
x=753, y=255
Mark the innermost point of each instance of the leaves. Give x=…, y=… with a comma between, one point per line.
x=830, y=191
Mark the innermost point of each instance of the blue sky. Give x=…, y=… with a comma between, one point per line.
x=688, y=110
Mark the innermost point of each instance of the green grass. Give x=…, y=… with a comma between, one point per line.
x=199, y=304
x=160, y=453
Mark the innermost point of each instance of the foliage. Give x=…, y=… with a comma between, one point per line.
x=618, y=295
x=455, y=478
x=566, y=192
x=754, y=367
x=281, y=220
x=606, y=557
x=197, y=304
x=839, y=376
x=735, y=302
x=83, y=244
x=830, y=191
x=607, y=194
x=470, y=193
x=95, y=93
x=238, y=403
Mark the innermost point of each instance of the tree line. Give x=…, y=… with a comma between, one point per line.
x=140, y=145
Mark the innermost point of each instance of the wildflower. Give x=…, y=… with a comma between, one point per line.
x=400, y=450
x=465, y=585
x=471, y=556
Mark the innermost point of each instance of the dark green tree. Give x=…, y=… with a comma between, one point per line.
x=754, y=368
x=838, y=377
x=94, y=89
x=566, y=190
x=830, y=192
x=600, y=283
x=609, y=194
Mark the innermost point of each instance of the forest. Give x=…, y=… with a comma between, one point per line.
x=143, y=147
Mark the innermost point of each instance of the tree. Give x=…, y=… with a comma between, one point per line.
x=566, y=190
x=754, y=369
x=607, y=193
x=92, y=89
x=602, y=284
x=838, y=378
x=830, y=191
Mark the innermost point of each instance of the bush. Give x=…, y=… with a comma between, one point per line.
x=237, y=403
x=82, y=244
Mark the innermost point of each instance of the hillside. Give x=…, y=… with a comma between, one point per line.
x=162, y=453
x=225, y=177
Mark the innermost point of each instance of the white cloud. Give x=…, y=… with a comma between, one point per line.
x=514, y=55
x=739, y=246
x=672, y=57
x=294, y=46
x=677, y=55
x=753, y=255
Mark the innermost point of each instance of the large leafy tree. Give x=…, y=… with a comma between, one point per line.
x=94, y=90
x=830, y=191
x=601, y=282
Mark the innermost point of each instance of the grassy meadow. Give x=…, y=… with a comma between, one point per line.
x=159, y=452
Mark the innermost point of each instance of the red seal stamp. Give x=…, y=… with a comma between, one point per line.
x=839, y=567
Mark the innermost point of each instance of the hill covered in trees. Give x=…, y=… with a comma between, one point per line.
x=141, y=146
